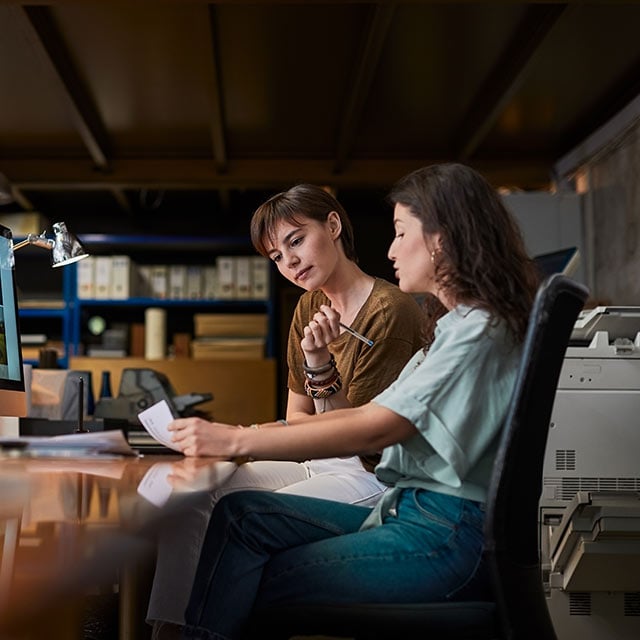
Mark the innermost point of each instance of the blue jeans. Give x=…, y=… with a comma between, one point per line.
x=264, y=548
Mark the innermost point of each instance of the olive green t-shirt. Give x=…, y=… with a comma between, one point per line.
x=391, y=318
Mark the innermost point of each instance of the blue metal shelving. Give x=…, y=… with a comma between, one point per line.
x=71, y=314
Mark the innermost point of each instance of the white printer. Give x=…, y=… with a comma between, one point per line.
x=590, y=505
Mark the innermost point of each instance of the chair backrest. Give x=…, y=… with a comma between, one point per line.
x=511, y=527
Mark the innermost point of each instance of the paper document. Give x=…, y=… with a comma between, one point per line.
x=155, y=420
x=70, y=445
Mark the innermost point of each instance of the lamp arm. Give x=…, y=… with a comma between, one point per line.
x=38, y=241
x=66, y=248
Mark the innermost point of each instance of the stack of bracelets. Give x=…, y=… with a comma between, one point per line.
x=326, y=387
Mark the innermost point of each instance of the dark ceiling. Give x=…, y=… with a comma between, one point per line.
x=147, y=115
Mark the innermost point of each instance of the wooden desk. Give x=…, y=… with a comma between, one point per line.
x=70, y=525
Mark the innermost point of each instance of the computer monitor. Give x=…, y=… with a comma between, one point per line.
x=13, y=397
x=563, y=261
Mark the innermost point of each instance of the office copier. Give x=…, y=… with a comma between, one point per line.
x=590, y=502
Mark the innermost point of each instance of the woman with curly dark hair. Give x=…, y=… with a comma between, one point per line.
x=437, y=426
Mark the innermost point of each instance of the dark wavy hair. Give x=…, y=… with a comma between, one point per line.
x=482, y=260
x=300, y=201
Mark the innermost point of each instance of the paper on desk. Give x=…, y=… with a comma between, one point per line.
x=155, y=420
x=71, y=444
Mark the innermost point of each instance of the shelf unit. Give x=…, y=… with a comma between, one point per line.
x=171, y=250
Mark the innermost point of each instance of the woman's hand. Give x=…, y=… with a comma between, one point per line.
x=323, y=329
x=198, y=437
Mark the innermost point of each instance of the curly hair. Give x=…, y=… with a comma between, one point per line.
x=482, y=259
x=300, y=201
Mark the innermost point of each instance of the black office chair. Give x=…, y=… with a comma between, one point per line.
x=518, y=608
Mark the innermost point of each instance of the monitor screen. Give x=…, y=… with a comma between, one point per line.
x=563, y=261
x=13, y=399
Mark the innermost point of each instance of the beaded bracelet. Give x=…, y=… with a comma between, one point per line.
x=312, y=372
x=333, y=385
x=319, y=384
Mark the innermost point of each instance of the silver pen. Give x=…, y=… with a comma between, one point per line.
x=354, y=333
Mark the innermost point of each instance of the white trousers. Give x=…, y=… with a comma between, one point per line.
x=340, y=479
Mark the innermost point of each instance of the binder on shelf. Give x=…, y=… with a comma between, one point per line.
x=209, y=282
x=226, y=277
x=103, y=275
x=260, y=272
x=178, y=281
x=86, y=285
x=243, y=277
x=123, y=277
x=144, y=281
x=159, y=281
x=194, y=282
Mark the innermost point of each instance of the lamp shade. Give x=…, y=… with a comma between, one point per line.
x=66, y=247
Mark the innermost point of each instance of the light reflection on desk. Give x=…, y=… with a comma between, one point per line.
x=69, y=525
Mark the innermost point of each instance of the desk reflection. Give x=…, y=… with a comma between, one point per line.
x=68, y=525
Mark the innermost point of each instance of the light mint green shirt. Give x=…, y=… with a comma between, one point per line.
x=457, y=398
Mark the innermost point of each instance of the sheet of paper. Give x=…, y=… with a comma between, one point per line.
x=155, y=420
x=71, y=444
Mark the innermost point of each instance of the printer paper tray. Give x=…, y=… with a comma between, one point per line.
x=596, y=547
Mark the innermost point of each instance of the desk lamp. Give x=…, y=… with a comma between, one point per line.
x=65, y=247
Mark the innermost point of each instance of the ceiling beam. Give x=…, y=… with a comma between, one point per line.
x=366, y=66
x=21, y=199
x=323, y=2
x=42, y=33
x=121, y=198
x=173, y=173
x=217, y=113
x=625, y=91
x=505, y=77
x=600, y=140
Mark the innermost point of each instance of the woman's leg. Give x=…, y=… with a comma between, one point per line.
x=179, y=543
x=361, y=487
x=264, y=549
x=341, y=479
x=245, y=530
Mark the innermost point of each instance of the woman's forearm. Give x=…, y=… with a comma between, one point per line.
x=342, y=432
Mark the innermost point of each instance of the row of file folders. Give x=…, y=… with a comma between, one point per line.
x=119, y=277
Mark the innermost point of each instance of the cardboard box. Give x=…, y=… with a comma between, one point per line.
x=230, y=324
x=227, y=348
